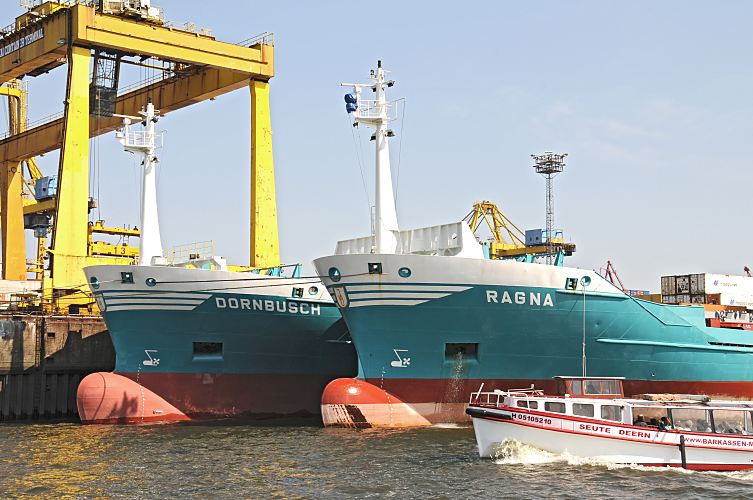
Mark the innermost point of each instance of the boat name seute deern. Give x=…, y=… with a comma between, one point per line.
x=590, y=418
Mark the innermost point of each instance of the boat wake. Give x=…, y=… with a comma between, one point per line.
x=450, y=425
x=514, y=452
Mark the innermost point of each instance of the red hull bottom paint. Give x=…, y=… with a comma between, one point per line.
x=349, y=402
x=108, y=398
x=165, y=397
x=706, y=467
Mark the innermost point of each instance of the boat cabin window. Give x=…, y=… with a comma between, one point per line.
x=691, y=419
x=732, y=421
x=611, y=412
x=601, y=387
x=534, y=405
x=576, y=387
x=554, y=406
x=583, y=409
x=650, y=416
x=589, y=387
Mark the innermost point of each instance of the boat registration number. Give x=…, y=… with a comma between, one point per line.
x=532, y=418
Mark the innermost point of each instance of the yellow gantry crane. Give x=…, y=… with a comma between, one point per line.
x=507, y=240
x=93, y=41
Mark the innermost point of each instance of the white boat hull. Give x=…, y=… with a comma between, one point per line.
x=618, y=443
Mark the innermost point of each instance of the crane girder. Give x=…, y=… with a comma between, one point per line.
x=168, y=95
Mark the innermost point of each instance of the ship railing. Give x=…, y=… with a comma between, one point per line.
x=497, y=397
x=374, y=109
x=142, y=138
x=281, y=271
x=191, y=251
x=265, y=38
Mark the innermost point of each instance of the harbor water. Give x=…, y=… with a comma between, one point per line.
x=224, y=461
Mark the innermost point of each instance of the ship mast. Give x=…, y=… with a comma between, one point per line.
x=142, y=142
x=375, y=114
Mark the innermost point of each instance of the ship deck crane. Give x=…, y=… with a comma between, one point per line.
x=610, y=274
x=507, y=240
x=197, y=67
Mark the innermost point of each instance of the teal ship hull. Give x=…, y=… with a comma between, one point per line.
x=427, y=340
x=213, y=344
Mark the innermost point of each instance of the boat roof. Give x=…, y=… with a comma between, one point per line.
x=632, y=402
x=571, y=377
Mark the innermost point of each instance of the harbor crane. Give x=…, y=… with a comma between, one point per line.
x=94, y=39
x=508, y=241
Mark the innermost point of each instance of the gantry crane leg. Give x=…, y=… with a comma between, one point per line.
x=12, y=221
x=71, y=221
x=11, y=206
x=265, y=245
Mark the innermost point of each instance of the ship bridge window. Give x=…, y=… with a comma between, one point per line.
x=583, y=409
x=611, y=412
x=207, y=350
x=691, y=419
x=554, y=406
x=460, y=351
x=534, y=405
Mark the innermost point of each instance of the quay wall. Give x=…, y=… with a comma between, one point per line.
x=42, y=361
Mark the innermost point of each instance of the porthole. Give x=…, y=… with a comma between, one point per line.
x=404, y=272
x=151, y=282
x=126, y=277
x=313, y=290
x=334, y=274
x=94, y=282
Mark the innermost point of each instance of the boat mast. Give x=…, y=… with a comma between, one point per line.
x=375, y=114
x=142, y=142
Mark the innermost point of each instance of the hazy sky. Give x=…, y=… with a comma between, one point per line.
x=653, y=101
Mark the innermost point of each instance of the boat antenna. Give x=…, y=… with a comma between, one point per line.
x=584, y=282
x=377, y=114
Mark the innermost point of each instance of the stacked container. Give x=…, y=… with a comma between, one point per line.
x=704, y=288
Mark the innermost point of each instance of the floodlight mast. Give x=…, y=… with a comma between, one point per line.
x=549, y=165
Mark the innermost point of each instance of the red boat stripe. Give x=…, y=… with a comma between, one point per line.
x=566, y=431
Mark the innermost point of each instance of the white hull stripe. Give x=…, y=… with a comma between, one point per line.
x=398, y=287
x=149, y=300
x=147, y=307
x=154, y=294
x=392, y=295
x=387, y=303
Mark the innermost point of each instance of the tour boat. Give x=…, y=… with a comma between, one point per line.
x=589, y=417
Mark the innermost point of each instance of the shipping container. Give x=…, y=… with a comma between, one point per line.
x=736, y=300
x=668, y=285
x=683, y=284
x=724, y=283
x=697, y=284
x=669, y=299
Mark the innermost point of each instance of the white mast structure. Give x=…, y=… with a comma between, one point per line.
x=375, y=114
x=142, y=142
